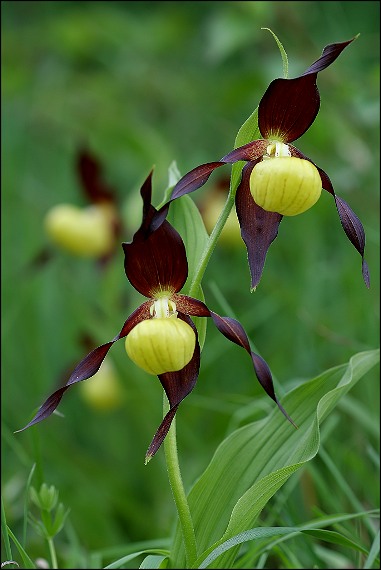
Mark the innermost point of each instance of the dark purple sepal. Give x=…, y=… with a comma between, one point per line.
x=91, y=178
x=350, y=222
x=190, y=182
x=155, y=260
x=194, y=179
x=259, y=228
x=247, y=152
x=177, y=385
x=234, y=331
x=288, y=108
x=263, y=373
x=191, y=306
x=355, y=232
x=88, y=366
x=330, y=53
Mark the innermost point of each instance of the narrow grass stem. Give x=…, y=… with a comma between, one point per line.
x=53, y=554
x=211, y=244
x=176, y=482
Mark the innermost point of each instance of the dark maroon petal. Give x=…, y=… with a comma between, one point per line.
x=177, y=385
x=258, y=227
x=160, y=434
x=88, y=366
x=155, y=261
x=288, y=108
x=191, y=306
x=91, y=177
x=329, y=55
x=349, y=221
x=355, y=233
x=190, y=182
x=249, y=151
x=234, y=331
x=194, y=179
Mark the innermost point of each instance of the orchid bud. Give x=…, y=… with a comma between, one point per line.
x=286, y=185
x=85, y=232
x=160, y=345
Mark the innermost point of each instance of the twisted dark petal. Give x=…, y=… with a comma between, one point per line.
x=349, y=221
x=288, y=108
x=258, y=227
x=91, y=177
x=161, y=433
x=194, y=179
x=263, y=373
x=249, y=151
x=190, y=182
x=177, y=385
x=330, y=53
x=234, y=331
x=157, y=260
x=355, y=233
x=88, y=366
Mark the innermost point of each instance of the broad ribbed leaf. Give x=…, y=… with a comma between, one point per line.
x=256, y=460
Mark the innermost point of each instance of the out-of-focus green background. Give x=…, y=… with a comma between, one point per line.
x=143, y=84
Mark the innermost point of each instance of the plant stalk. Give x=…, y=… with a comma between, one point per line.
x=175, y=480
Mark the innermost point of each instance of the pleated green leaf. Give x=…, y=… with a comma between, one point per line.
x=256, y=460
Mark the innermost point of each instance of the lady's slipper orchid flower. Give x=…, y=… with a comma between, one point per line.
x=91, y=231
x=160, y=335
x=278, y=180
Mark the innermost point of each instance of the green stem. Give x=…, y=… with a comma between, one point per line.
x=52, y=551
x=211, y=244
x=175, y=480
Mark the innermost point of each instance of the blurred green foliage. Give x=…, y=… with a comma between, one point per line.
x=143, y=84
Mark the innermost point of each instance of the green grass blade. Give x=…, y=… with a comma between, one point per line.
x=258, y=533
x=152, y=561
x=26, y=503
x=119, y=563
x=4, y=532
x=373, y=553
x=28, y=563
